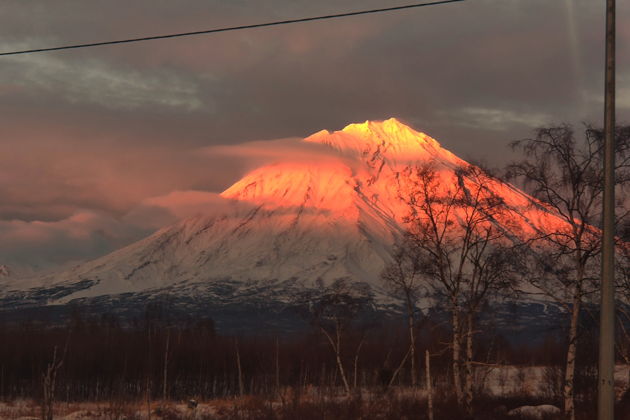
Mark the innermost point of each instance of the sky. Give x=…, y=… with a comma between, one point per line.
x=99, y=147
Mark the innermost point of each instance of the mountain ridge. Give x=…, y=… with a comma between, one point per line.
x=289, y=224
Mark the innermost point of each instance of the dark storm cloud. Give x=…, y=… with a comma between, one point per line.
x=103, y=130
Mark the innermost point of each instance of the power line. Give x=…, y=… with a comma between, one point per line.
x=229, y=29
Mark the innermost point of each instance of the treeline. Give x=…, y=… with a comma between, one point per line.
x=102, y=360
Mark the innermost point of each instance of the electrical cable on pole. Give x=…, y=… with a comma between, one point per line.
x=232, y=28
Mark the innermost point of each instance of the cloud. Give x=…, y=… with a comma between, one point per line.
x=95, y=81
x=61, y=206
x=89, y=233
x=253, y=154
x=623, y=98
x=84, y=234
x=52, y=181
x=498, y=119
x=622, y=93
x=157, y=212
x=48, y=183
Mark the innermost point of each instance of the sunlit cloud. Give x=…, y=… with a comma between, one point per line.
x=157, y=212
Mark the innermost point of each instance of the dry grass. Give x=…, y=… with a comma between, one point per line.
x=304, y=403
x=309, y=405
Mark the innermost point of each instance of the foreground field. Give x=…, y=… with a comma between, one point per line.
x=507, y=393
x=394, y=406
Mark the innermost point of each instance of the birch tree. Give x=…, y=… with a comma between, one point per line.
x=567, y=178
x=459, y=249
x=403, y=278
x=332, y=310
x=622, y=266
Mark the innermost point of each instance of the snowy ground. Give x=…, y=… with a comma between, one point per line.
x=29, y=410
x=540, y=382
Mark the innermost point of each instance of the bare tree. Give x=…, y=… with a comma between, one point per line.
x=622, y=266
x=49, y=382
x=239, y=369
x=459, y=248
x=332, y=310
x=403, y=278
x=567, y=178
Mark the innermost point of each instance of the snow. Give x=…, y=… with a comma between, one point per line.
x=535, y=411
x=537, y=381
x=290, y=222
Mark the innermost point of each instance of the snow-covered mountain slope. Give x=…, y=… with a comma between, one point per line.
x=288, y=224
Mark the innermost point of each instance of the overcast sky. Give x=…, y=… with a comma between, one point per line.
x=99, y=146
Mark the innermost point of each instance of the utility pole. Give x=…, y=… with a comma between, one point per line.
x=606, y=391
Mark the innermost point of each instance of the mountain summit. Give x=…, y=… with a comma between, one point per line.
x=390, y=139
x=289, y=225
x=369, y=157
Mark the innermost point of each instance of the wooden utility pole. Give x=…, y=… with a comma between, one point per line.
x=606, y=382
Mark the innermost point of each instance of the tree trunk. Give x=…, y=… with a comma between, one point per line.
x=356, y=362
x=277, y=366
x=48, y=381
x=336, y=346
x=457, y=339
x=148, y=398
x=165, y=375
x=342, y=371
x=468, y=379
x=241, y=386
x=412, y=343
x=427, y=362
x=569, y=375
x=395, y=374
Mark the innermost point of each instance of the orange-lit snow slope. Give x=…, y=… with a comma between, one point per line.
x=294, y=222
x=367, y=177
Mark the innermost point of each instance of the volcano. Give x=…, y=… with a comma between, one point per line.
x=288, y=226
